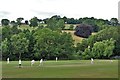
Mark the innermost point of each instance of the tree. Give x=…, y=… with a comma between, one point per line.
x=26, y=22
x=34, y=22
x=103, y=49
x=83, y=30
x=61, y=24
x=55, y=24
x=82, y=46
x=91, y=22
x=50, y=44
x=114, y=21
x=30, y=37
x=5, y=22
x=15, y=30
x=71, y=27
x=19, y=20
x=13, y=23
x=65, y=19
x=57, y=17
x=106, y=34
x=86, y=54
x=19, y=44
x=44, y=46
x=6, y=32
x=5, y=50
x=45, y=20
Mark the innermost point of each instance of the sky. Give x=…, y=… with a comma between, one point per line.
x=12, y=9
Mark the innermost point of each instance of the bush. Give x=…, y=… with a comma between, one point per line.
x=83, y=30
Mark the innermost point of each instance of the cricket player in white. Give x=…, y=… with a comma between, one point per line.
x=8, y=61
x=56, y=59
x=19, y=63
x=32, y=62
x=111, y=60
x=41, y=62
x=92, y=60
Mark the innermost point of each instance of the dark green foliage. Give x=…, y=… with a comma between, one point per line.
x=5, y=50
x=13, y=23
x=34, y=22
x=114, y=21
x=5, y=22
x=26, y=22
x=65, y=19
x=86, y=54
x=102, y=45
x=71, y=27
x=83, y=30
x=29, y=36
x=49, y=41
x=81, y=46
x=55, y=23
x=112, y=32
x=19, y=20
x=7, y=32
x=50, y=44
x=57, y=17
x=45, y=20
x=72, y=21
x=19, y=43
x=103, y=49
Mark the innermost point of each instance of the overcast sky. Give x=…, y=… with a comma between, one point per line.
x=27, y=9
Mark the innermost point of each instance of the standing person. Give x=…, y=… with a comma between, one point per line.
x=56, y=59
x=8, y=61
x=32, y=62
x=111, y=60
x=19, y=63
x=41, y=62
x=92, y=60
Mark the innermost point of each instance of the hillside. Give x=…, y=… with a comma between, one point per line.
x=76, y=38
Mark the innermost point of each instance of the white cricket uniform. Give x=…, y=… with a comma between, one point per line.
x=56, y=58
x=19, y=61
x=32, y=62
x=41, y=61
x=92, y=60
x=8, y=61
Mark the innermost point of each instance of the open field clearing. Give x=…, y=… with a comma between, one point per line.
x=62, y=69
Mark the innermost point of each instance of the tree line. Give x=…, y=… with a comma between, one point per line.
x=49, y=41
x=86, y=20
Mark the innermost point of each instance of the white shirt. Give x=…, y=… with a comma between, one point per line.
x=41, y=60
x=91, y=59
x=7, y=59
x=19, y=61
x=33, y=61
x=56, y=58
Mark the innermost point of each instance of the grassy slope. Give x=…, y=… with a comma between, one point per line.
x=62, y=69
x=75, y=38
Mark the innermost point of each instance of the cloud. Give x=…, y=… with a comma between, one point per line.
x=4, y=14
x=42, y=13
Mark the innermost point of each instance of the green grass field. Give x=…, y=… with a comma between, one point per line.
x=62, y=69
